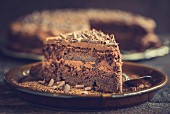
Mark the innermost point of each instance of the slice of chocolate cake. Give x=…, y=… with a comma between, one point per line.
x=89, y=58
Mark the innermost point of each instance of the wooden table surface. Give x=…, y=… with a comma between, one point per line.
x=11, y=103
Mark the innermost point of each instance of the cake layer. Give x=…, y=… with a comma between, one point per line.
x=89, y=46
x=78, y=73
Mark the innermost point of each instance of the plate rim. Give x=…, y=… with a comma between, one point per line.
x=20, y=54
x=64, y=95
x=157, y=52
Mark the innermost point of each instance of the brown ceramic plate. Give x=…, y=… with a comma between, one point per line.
x=88, y=102
x=127, y=55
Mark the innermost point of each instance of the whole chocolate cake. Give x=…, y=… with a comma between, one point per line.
x=132, y=32
x=89, y=58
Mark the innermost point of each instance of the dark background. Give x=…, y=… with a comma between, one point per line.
x=159, y=10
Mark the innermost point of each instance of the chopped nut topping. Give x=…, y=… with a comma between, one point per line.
x=87, y=88
x=74, y=36
x=84, y=92
x=96, y=36
x=87, y=35
x=84, y=40
x=51, y=83
x=41, y=81
x=62, y=36
x=74, y=40
x=67, y=88
x=61, y=84
x=25, y=72
x=110, y=44
x=83, y=36
x=55, y=87
x=79, y=86
x=107, y=41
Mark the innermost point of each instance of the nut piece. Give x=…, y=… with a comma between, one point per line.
x=111, y=44
x=96, y=35
x=83, y=36
x=87, y=88
x=107, y=42
x=55, y=87
x=74, y=35
x=84, y=40
x=67, y=88
x=79, y=86
x=41, y=81
x=25, y=72
x=62, y=36
x=51, y=83
x=61, y=84
x=84, y=92
x=58, y=82
x=74, y=40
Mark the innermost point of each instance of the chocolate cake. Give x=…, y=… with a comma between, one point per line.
x=90, y=58
x=28, y=33
x=132, y=32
